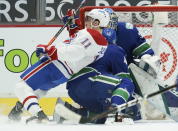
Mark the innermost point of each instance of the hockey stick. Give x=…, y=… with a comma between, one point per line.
x=162, y=91
x=66, y=24
x=128, y=104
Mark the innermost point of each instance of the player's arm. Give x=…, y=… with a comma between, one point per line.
x=123, y=92
x=71, y=52
x=126, y=87
x=141, y=46
x=118, y=62
x=63, y=52
x=144, y=54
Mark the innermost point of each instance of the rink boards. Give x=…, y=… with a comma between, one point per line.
x=47, y=104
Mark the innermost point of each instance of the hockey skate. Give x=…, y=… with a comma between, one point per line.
x=40, y=117
x=15, y=113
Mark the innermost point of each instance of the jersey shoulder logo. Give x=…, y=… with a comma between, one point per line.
x=129, y=26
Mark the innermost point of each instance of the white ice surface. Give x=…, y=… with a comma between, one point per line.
x=6, y=125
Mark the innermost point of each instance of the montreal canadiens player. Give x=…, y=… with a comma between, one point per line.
x=55, y=67
x=102, y=84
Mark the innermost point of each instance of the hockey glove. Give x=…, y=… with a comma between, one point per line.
x=69, y=17
x=74, y=24
x=150, y=64
x=50, y=51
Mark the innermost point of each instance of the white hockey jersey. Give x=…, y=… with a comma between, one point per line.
x=80, y=50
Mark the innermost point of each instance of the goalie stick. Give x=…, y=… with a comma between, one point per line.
x=66, y=24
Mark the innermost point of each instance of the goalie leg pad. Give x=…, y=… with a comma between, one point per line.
x=150, y=85
x=64, y=112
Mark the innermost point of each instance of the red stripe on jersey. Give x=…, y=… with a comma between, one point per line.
x=29, y=97
x=69, y=67
x=35, y=70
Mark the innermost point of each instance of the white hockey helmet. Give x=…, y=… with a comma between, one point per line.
x=101, y=15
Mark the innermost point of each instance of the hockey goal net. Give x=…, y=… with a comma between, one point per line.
x=159, y=25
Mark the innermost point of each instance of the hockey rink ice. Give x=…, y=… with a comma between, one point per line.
x=157, y=125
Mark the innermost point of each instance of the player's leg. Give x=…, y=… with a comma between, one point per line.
x=94, y=93
x=43, y=75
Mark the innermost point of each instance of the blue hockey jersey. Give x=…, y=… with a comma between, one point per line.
x=128, y=37
x=107, y=78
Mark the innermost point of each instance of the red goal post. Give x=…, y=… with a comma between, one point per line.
x=120, y=9
x=159, y=25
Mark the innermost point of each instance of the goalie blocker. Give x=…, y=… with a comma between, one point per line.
x=150, y=64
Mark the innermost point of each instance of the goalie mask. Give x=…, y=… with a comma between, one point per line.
x=97, y=18
x=113, y=18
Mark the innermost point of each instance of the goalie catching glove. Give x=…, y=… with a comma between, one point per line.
x=50, y=51
x=150, y=64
